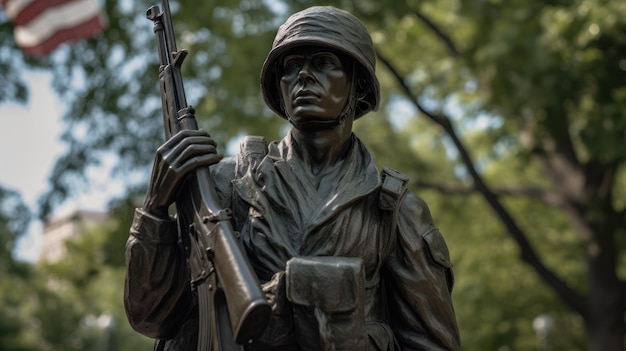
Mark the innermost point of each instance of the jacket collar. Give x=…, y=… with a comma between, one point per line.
x=278, y=179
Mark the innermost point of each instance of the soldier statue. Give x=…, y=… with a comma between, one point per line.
x=347, y=258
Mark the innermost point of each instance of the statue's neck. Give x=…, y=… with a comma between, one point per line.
x=321, y=149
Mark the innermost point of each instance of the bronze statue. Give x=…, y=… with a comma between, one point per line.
x=346, y=257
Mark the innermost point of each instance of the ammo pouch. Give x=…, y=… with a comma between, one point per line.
x=328, y=296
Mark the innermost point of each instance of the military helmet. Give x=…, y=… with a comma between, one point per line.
x=329, y=27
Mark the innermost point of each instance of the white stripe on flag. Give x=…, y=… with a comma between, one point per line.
x=54, y=19
x=14, y=7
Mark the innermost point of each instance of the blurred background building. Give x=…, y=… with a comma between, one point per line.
x=57, y=230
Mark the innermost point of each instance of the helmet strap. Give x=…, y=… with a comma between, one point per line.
x=351, y=103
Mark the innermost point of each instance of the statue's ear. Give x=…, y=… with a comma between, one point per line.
x=361, y=88
x=361, y=93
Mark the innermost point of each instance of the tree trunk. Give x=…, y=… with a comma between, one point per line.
x=606, y=305
x=606, y=331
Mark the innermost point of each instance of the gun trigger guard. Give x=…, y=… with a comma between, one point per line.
x=221, y=215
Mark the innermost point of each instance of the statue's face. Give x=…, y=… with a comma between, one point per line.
x=314, y=86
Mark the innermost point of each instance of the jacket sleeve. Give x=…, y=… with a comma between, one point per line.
x=419, y=280
x=157, y=294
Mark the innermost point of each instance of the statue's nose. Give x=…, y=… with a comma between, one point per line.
x=306, y=72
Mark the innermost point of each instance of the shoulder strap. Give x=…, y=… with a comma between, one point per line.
x=392, y=190
x=252, y=149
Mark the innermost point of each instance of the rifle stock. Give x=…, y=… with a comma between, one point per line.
x=233, y=308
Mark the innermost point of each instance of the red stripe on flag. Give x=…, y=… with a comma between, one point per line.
x=83, y=30
x=35, y=8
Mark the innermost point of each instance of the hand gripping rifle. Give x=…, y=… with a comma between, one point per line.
x=232, y=308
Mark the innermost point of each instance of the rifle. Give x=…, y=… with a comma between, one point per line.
x=232, y=307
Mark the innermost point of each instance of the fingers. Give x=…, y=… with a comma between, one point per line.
x=177, y=157
x=186, y=145
x=197, y=135
x=203, y=160
x=193, y=152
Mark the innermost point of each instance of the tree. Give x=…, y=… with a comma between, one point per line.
x=80, y=307
x=70, y=305
x=511, y=114
x=14, y=322
x=550, y=75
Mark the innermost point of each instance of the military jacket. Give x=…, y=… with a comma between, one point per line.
x=280, y=214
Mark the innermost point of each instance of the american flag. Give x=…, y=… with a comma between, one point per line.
x=43, y=25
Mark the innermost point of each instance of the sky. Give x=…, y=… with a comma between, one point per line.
x=30, y=144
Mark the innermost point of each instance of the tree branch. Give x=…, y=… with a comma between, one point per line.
x=530, y=192
x=528, y=254
x=447, y=40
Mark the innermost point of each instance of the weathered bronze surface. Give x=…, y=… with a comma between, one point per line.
x=345, y=256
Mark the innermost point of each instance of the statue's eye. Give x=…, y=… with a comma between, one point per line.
x=292, y=63
x=324, y=62
x=327, y=61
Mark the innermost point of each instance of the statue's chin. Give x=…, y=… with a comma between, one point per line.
x=315, y=125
